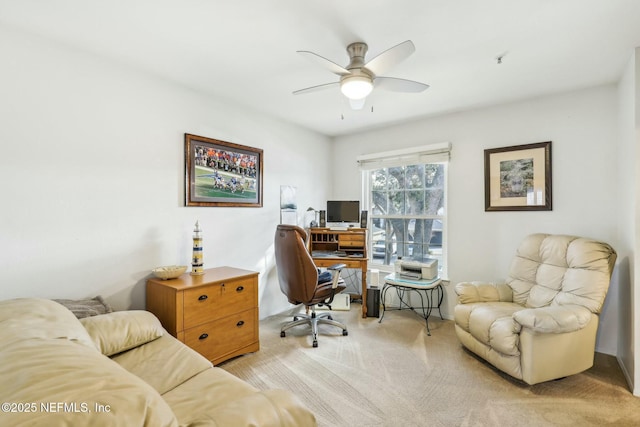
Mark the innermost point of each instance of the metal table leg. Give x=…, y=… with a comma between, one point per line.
x=402, y=291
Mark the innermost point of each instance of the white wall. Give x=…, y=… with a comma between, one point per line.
x=92, y=177
x=583, y=128
x=627, y=154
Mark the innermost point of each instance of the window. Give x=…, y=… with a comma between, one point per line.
x=405, y=192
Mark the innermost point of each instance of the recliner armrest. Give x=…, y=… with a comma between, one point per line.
x=556, y=319
x=470, y=292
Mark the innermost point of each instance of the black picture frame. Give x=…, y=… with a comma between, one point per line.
x=518, y=178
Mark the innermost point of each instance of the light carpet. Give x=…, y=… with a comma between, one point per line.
x=393, y=374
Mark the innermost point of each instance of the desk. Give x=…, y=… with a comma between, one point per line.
x=403, y=286
x=348, y=247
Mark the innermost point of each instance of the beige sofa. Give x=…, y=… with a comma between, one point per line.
x=541, y=323
x=120, y=369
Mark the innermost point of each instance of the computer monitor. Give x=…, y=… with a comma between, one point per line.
x=343, y=211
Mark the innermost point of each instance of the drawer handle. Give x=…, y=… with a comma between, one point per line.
x=240, y=323
x=202, y=297
x=240, y=289
x=203, y=336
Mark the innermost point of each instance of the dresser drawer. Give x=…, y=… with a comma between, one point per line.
x=218, y=300
x=224, y=336
x=352, y=240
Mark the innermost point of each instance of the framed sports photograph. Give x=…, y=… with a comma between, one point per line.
x=518, y=178
x=220, y=173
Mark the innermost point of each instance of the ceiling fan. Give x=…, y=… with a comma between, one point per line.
x=358, y=79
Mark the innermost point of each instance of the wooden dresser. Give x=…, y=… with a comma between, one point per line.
x=215, y=314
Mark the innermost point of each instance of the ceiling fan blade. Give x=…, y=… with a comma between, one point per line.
x=399, y=85
x=390, y=57
x=324, y=62
x=316, y=88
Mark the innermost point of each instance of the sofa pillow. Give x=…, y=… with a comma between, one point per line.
x=120, y=331
x=86, y=307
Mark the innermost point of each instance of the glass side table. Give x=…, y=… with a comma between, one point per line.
x=430, y=292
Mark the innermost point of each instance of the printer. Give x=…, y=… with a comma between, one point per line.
x=425, y=270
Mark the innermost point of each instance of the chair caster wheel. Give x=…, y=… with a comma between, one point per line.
x=345, y=332
x=282, y=334
x=315, y=344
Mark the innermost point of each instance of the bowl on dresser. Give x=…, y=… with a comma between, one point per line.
x=169, y=271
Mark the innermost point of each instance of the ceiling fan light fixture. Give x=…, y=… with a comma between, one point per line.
x=356, y=87
x=357, y=104
x=357, y=78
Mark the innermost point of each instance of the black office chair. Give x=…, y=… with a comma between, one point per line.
x=301, y=281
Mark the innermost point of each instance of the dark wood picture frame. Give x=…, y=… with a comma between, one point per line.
x=220, y=173
x=518, y=178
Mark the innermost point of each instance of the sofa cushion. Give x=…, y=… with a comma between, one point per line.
x=95, y=389
x=224, y=400
x=48, y=359
x=119, y=331
x=144, y=361
x=31, y=318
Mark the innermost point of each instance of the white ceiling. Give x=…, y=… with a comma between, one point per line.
x=245, y=50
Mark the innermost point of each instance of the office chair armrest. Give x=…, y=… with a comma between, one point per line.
x=335, y=274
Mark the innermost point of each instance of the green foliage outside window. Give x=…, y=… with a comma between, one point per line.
x=407, y=211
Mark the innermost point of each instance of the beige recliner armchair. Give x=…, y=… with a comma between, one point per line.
x=541, y=323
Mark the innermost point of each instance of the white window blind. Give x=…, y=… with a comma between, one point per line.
x=433, y=153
